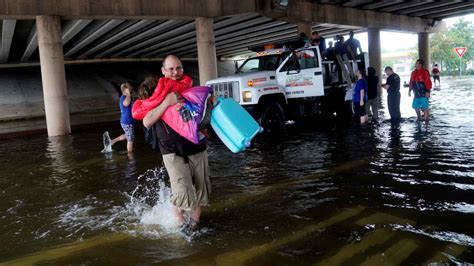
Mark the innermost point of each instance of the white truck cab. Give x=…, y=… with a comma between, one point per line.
x=274, y=84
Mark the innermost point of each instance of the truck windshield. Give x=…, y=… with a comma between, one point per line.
x=261, y=63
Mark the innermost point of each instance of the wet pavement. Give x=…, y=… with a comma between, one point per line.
x=374, y=195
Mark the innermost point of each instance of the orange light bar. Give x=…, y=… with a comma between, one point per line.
x=268, y=46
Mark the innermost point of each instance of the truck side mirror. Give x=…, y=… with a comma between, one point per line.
x=236, y=65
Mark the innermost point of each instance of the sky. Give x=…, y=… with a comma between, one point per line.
x=392, y=41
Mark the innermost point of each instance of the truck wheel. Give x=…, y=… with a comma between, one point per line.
x=273, y=118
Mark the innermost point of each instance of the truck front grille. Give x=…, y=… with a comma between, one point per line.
x=228, y=89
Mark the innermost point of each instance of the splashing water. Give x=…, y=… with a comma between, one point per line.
x=147, y=211
x=158, y=221
x=107, y=142
x=152, y=190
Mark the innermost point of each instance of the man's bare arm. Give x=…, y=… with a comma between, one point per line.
x=154, y=115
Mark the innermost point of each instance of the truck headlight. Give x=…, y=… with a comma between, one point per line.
x=247, y=96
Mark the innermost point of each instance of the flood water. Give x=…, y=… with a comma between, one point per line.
x=378, y=194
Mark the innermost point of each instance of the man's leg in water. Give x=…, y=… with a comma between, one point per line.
x=426, y=112
x=196, y=214
x=178, y=215
x=181, y=185
x=202, y=183
x=418, y=114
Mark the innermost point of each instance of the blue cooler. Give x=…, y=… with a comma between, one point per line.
x=233, y=125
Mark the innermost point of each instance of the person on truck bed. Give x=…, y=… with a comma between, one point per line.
x=328, y=53
x=353, y=47
x=318, y=40
x=340, y=47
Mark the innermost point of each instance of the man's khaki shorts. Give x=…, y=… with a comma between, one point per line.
x=190, y=184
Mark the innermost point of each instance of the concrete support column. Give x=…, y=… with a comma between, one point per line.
x=424, y=48
x=375, y=54
x=53, y=75
x=206, y=46
x=305, y=27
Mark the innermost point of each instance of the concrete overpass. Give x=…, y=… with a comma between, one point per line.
x=53, y=33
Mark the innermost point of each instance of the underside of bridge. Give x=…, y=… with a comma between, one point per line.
x=148, y=30
x=95, y=30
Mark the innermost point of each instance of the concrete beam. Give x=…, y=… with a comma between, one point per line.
x=268, y=38
x=444, y=10
x=270, y=27
x=73, y=27
x=238, y=45
x=242, y=48
x=403, y=6
x=189, y=38
x=301, y=11
x=108, y=40
x=106, y=27
x=70, y=30
x=155, y=42
x=425, y=7
x=222, y=41
x=8, y=28
x=32, y=44
x=262, y=40
x=124, y=9
x=143, y=35
x=357, y=3
x=451, y=14
x=381, y=4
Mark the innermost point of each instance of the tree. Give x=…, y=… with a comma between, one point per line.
x=460, y=34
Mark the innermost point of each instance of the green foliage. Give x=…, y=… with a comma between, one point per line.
x=388, y=62
x=460, y=34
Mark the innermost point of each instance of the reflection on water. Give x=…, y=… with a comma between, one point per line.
x=380, y=194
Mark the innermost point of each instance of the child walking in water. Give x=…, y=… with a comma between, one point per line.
x=126, y=120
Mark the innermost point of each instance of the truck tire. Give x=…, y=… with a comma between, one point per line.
x=273, y=118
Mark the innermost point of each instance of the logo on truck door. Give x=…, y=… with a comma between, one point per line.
x=299, y=80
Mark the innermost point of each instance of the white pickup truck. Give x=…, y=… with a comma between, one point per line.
x=276, y=85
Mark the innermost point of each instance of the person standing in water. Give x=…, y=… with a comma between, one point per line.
x=372, y=94
x=393, y=94
x=420, y=83
x=186, y=163
x=126, y=120
x=359, y=97
x=435, y=73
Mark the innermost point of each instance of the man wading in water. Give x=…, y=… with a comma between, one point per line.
x=186, y=162
x=420, y=83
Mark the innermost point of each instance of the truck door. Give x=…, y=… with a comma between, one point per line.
x=301, y=74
